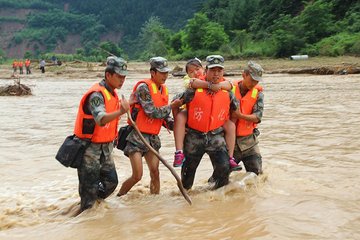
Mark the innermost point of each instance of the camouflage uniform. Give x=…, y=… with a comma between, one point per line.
x=134, y=143
x=246, y=148
x=97, y=173
x=196, y=144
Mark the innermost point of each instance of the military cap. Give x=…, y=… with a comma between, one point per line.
x=214, y=61
x=160, y=64
x=255, y=71
x=118, y=64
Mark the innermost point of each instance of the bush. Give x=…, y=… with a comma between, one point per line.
x=339, y=44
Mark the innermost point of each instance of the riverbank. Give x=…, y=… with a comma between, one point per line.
x=316, y=65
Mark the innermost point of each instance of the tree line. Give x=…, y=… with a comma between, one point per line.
x=184, y=29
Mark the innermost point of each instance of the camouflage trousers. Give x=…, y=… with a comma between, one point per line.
x=97, y=174
x=247, y=151
x=135, y=144
x=196, y=144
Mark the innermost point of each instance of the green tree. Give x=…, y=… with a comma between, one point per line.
x=202, y=34
x=286, y=34
x=154, y=39
x=111, y=48
x=215, y=37
x=240, y=39
x=28, y=55
x=177, y=41
x=317, y=20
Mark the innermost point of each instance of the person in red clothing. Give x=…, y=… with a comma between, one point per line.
x=15, y=66
x=251, y=98
x=27, y=66
x=97, y=119
x=21, y=66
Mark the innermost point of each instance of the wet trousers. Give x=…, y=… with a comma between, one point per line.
x=97, y=177
x=196, y=144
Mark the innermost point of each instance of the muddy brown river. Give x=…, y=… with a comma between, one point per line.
x=310, y=188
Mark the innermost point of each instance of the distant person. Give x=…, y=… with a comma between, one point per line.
x=15, y=66
x=27, y=66
x=195, y=78
x=42, y=65
x=150, y=113
x=251, y=98
x=97, y=121
x=207, y=112
x=21, y=66
x=54, y=60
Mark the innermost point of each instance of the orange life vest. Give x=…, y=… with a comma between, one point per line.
x=100, y=134
x=146, y=124
x=207, y=112
x=27, y=63
x=15, y=64
x=243, y=127
x=20, y=64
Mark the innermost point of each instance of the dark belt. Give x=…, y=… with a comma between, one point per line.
x=213, y=132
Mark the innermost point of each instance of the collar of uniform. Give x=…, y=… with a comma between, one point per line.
x=104, y=84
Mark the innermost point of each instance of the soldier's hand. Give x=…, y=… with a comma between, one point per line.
x=125, y=106
x=176, y=103
x=132, y=99
x=215, y=87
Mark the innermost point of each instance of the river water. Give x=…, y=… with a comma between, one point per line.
x=309, y=141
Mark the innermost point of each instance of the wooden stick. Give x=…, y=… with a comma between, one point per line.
x=173, y=172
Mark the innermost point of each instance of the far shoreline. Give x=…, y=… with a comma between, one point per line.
x=312, y=65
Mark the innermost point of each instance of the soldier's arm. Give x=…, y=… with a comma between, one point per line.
x=258, y=108
x=255, y=116
x=96, y=106
x=143, y=97
x=98, y=111
x=186, y=96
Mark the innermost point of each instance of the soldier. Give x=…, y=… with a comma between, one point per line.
x=195, y=78
x=27, y=66
x=97, y=121
x=21, y=66
x=208, y=110
x=15, y=65
x=251, y=98
x=150, y=112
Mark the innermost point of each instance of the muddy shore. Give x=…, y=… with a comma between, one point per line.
x=316, y=65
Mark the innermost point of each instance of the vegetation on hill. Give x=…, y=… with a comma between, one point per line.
x=188, y=28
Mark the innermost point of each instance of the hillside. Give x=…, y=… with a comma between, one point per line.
x=90, y=30
x=64, y=26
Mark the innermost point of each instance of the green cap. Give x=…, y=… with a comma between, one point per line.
x=160, y=64
x=118, y=64
x=214, y=61
x=255, y=71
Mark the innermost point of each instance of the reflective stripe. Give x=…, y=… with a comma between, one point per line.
x=107, y=94
x=233, y=89
x=153, y=85
x=200, y=90
x=254, y=93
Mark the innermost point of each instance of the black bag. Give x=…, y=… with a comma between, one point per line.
x=72, y=151
x=122, y=135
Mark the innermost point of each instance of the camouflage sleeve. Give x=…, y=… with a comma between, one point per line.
x=188, y=95
x=96, y=106
x=143, y=97
x=234, y=103
x=258, y=108
x=169, y=123
x=186, y=81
